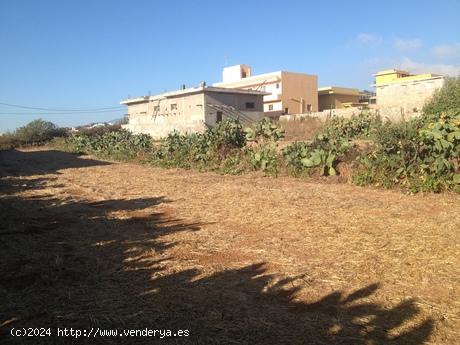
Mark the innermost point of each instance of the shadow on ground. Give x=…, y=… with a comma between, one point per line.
x=73, y=264
x=25, y=163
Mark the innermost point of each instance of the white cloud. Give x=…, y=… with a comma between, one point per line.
x=367, y=38
x=408, y=45
x=445, y=51
x=416, y=67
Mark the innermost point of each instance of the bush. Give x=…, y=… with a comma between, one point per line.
x=446, y=99
x=7, y=141
x=263, y=151
x=321, y=154
x=120, y=144
x=357, y=126
x=205, y=151
x=421, y=155
x=37, y=132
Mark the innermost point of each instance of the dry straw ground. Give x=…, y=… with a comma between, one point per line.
x=234, y=259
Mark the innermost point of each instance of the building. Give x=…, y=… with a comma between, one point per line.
x=288, y=92
x=367, y=97
x=400, y=88
x=334, y=97
x=192, y=110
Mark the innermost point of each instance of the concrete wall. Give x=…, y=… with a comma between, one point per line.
x=287, y=89
x=335, y=101
x=191, y=113
x=390, y=113
x=218, y=101
x=273, y=100
x=297, y=86
x=234, y=73
x=408, y=95
x=188, y=117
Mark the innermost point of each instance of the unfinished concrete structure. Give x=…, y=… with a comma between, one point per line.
x=288, y=92
x=334, y=97
x=191, y=110
x=400, y=88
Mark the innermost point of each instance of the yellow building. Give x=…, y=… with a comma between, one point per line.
x=400, y=88
x=334, y=97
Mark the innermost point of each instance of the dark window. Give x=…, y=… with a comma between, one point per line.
x=308, y=107
x=250, y=105
x=156, y=108
x=219, y=116
x=174, y=106
x=270, y=107
x=286, y=110
x=277, y=85
x=243, y=74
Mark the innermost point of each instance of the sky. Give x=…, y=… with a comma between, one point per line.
x=76, y=56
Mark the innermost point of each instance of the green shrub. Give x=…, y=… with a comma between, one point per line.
x=263, y=151
x=357, y=126
x=38, y=131
x=420, y=155
x=265, y=157
x=120, y=144
x=322, y=154
x=7, y=141
x=444, y=100
x=265, y=130
x=205, y=151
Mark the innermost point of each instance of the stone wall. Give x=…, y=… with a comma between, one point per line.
x=160, y=117
x=409, y=95
x=390, y=113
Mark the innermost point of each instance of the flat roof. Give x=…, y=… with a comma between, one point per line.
x=410, y=79
x=391, y=71
x=193, y=90
x=337, y=90
x=258, y=78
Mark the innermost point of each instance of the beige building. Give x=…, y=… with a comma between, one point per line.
x=288, y=92
x=334, y=97
x=192, y=110
x=400, y=88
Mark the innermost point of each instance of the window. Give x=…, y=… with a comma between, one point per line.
x=286, y=110
x=156, y=108
x=270, y=107
x=277, y=85
x=243, y=74
x=250, y=105
x=173, y=106
x=218, y=116
x=308, y=107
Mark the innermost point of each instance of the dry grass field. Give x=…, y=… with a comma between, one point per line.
x=233, y=259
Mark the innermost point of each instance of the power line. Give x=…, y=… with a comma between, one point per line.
x=63, y=113
x=53, y=109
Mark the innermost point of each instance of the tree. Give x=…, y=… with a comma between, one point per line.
x=37, y=131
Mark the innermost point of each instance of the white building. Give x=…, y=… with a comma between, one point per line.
x=192, y=110
x=289, y=93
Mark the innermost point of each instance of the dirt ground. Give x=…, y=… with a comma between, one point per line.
x=233, y=259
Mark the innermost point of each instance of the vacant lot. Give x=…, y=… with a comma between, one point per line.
x=235, y=260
